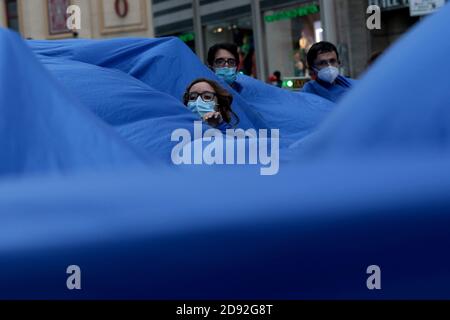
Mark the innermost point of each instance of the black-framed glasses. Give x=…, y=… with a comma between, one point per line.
x=221, y=62
x=207, y=96
x=325, y=63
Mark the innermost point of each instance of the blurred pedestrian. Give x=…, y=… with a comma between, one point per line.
x=275, y=79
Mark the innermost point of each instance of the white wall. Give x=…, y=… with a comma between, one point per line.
x=32, y=16
x=279, y=47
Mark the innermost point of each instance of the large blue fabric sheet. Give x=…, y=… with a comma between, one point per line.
x=44, y=130
x=168, y=66
x=369, y=187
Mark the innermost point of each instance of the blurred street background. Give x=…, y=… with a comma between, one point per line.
x=272, y=35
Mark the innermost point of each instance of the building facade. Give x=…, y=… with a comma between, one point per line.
x=47, y=19
x=286, y=31
x=356, y=43
x=289, y=28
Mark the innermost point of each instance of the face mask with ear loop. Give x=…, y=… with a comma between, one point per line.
x=228, y=75
x=201, y=107
x=328, y=74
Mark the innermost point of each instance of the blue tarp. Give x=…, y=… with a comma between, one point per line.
x=166, y=66
x=44, y=130
x=370, y=187
x=296, y=114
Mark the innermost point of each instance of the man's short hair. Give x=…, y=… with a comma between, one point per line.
x=232, y=48
x=319, y=48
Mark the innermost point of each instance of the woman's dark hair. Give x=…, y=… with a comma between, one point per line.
x=248, y=62
x=231, y=48
x=374, y=57
x=319, y=48
x=224, y=99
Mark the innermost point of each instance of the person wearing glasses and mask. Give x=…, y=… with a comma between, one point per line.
x=323, y=63
x=223, y=59
x=211, y=103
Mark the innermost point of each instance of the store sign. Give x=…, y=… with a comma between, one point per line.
x=389, y=4
x=186, y=37
x=294, y=83
x=422, y=7
x=294, y=13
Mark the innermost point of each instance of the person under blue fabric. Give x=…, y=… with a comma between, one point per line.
x=223, y=60
x=211, y=102
x=323, y=63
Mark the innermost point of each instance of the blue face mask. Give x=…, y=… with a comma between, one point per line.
x=201, y=107
x=228, y=75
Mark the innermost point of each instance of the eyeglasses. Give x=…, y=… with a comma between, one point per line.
x=325, y=63
x=206, y=96
x=222, y=62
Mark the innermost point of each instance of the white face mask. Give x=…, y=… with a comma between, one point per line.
x=328, y=74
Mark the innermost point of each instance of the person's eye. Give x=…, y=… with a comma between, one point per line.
x=193, y=96
x=219, y=61
x=208, y=97
x=231, y=62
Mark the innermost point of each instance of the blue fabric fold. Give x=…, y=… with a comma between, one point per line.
x=333, y=92
x=45, y=130
x=369, y=187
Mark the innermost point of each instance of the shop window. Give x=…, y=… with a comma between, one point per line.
x=289, y=33
x=238, y=31
x=188, y=38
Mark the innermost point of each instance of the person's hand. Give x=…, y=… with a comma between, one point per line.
x=213, y=118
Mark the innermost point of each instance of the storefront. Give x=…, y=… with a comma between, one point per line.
x=237, y=30
x=289, y=30
x=395, y=19
x=289, y=33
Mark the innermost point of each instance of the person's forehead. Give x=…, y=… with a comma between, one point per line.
x=326, y=56
x=222, y=53
x=201, y=87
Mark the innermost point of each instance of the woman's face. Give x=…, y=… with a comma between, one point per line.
x=203, y=88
